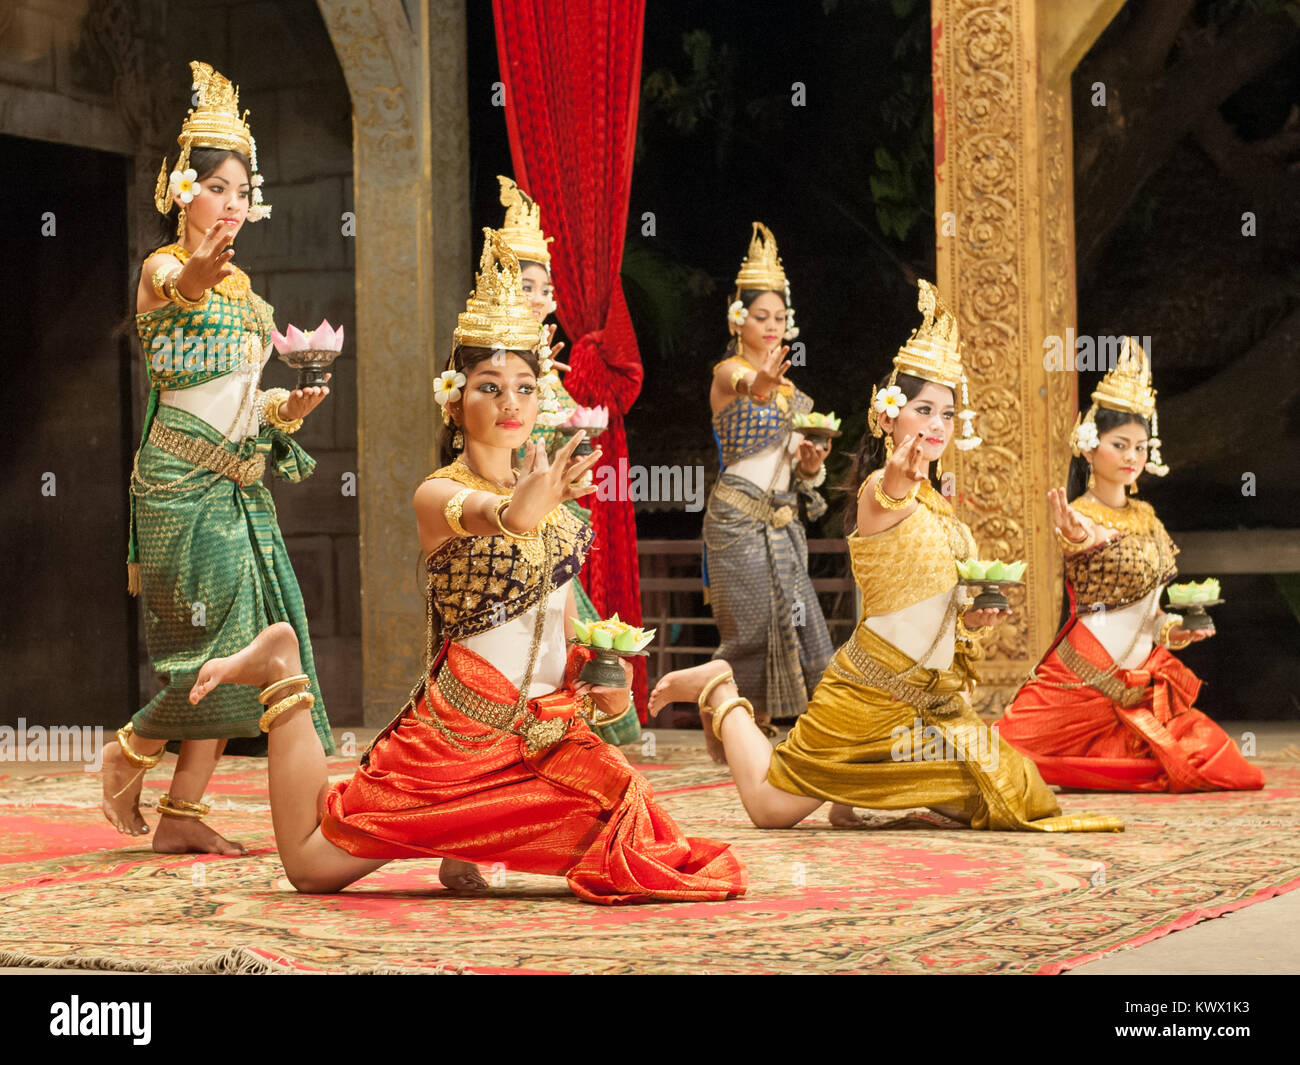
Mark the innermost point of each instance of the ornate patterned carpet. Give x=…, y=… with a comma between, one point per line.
x=905, y=895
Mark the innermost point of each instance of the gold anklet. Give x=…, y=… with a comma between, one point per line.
x=289, y=702
x=140, y=761
x=721, y=678
x=183, y=808
x=272, y=690
x=727, y=706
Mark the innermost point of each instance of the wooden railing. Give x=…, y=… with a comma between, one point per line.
x=672, y=599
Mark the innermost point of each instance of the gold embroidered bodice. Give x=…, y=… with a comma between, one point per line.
x=913, y=560
x=479, y=582
x=1123, y=570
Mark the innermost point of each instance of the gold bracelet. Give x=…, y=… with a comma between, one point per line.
x=737, y=379
x=271, y=412
x=173, y=292
x=1072, y=546
x=267, y=694
x=140, y=761
x=978, y=633
x=888, y=501
x=181, y=808
x=452, y=512
x=727, y=706
x=721, y=678
x=1172, y=621
x=289, y=702
x=501, y=525
x=160, y=276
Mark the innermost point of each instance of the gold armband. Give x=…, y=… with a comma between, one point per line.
x=452, y=512
x=271, y=411
x=1069, y=546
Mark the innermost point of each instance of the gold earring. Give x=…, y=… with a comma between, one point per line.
x=458, y=441
x=1133, y=489
x=181, y=217
x=889, y=446
x=938, y=467
x=1092, y=483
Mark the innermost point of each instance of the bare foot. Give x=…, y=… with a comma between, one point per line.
x=461, y=877
x=684, y=686
x=953, y=813
x=842, y=816
x=121, y=803
x=272, y=656
x=189, y=835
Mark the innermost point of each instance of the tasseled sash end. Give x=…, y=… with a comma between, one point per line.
x=133, y=585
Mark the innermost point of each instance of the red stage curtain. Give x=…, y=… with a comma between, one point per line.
x=572, y=76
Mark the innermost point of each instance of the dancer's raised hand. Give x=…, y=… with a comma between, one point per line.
x=771, y=373
x=210, y=262
x=544, y=483
x=1072, y=525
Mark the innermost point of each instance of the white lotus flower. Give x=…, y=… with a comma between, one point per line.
x=890, y=401
x=184, y=182
x=736, y=314
x=446, y=389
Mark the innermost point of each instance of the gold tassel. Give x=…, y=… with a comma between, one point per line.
x=133, y=585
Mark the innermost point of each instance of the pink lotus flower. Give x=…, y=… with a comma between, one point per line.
x=589, y=418
x=323, y=338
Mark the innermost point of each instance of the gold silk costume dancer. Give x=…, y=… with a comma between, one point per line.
x=1110, y=707
x=206, y=554
x=769, y=619
x=490, y=759
x=890, y=725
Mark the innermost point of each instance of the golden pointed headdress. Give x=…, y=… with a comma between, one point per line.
x=761, y=268
x=215, y=122
x=932, y=353
x=1127, y=388
x=522, y=229
x=496, y=313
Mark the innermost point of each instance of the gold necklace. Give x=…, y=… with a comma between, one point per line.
x=481, y=482
x=235, y=287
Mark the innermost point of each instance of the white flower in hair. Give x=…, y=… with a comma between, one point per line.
x=736, y=314
x=184, y=182
x=890, y=401
x=1085, y=436
x=790, y=331
x=447, y=388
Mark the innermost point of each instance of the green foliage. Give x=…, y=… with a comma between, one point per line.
x=654, y=286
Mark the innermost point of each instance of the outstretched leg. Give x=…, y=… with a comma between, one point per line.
x=748, y=751
x=296, y=769
x=677, y=687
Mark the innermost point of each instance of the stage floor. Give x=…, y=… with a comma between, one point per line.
x=906, y=895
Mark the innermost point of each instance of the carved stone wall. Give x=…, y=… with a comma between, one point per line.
x=1003, y=177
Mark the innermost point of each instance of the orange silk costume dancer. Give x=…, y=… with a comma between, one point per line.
x=1109, y=707
x=470, y=769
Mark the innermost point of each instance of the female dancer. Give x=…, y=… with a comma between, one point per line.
x=756, y=555
x=890, y=725
x=205, y=548
x=522, y=231
x=1109, y=706
x=489, y=759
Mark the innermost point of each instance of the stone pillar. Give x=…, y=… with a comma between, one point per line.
x=411, y=197
x=1004, y=208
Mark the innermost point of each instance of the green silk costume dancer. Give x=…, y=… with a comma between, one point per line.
x=206, y=554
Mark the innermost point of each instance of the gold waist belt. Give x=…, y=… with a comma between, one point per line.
x=1110, y=686
x=502, y=716
x=777, y=517
x=877, y=676
x=211, y=457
